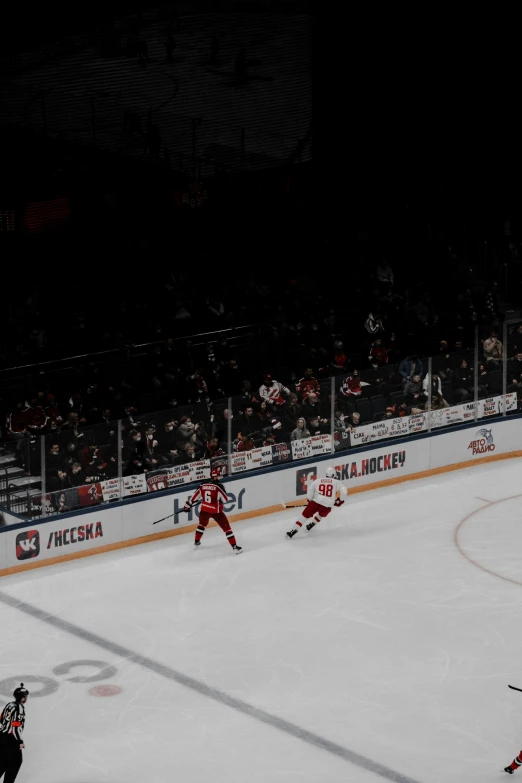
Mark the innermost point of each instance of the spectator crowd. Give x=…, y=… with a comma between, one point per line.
x=171, y=405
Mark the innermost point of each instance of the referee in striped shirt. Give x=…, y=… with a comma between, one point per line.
x=12, y=723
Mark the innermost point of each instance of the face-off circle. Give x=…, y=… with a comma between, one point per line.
x=488, y=537
x=105, y=690
x=47, y=685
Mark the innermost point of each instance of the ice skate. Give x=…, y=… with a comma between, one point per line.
x=237, y=549
x=310, y=525
x=509, y=770
x=197, y=544
x=291, y=533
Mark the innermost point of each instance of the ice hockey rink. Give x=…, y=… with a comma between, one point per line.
x=379, y=646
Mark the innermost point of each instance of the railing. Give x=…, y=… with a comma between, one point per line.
x=79, y=466
x=22, y=379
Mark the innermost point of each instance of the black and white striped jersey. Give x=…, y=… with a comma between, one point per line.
x=12, y=720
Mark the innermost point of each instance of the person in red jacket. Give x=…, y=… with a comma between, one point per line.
x=515, y=764
x=213, y=449
x=351, y=386
x=245, y=443
x=308, y=384
x=33, y=416
x=378, y=354
x=212, y=496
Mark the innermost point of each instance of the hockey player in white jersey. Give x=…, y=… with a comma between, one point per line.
x=323, y=494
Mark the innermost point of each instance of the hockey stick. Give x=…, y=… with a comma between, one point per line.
x=299, y=505
x=175, y=514
x=514, y=689
x=169, y=516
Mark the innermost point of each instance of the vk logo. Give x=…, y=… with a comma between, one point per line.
x=27, y=544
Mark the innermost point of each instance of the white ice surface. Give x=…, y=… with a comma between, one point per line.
x=373, y=630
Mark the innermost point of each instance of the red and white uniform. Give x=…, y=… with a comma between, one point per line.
x=351, y=386
x=322, y=494
x=272, y=392
x=213, y=497
x=307, y=386
x=246, y=445
x=34, y=418
x=378, y=355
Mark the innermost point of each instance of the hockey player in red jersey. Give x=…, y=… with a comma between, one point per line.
x=213, y=497
x=323, y=494
x=515, y=764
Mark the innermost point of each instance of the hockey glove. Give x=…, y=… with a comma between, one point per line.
x=187, y=507
x=338, y=502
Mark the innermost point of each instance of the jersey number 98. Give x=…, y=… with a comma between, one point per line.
x=326, y=489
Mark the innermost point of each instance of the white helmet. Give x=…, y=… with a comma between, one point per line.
x=330, y=472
